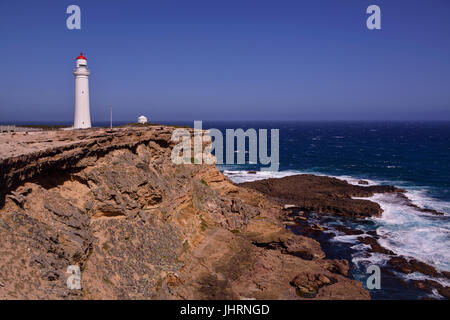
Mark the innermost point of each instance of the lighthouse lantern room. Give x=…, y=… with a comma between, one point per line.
x=82, y=117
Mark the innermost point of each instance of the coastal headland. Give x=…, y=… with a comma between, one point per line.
x=140, y=227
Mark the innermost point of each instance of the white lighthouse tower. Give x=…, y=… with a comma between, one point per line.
x=82, y=118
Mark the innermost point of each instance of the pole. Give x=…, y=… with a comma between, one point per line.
x=110, y=123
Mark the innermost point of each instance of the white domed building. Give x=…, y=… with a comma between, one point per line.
x=142, y=120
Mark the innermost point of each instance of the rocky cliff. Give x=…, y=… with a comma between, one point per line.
x=140, y=227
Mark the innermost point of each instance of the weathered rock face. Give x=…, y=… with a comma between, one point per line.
x=141, y=227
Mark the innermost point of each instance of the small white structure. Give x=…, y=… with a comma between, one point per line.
x=82, y=117
x=142, y=119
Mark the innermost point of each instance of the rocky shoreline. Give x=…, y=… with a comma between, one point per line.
x=141, y=227
x=302, y=195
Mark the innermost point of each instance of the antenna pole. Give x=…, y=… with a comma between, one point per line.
x=110, y=118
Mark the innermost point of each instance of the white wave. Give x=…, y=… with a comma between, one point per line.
x=409, y=232
x=240, y=176
x=419, y=276
x=360, y=257
x=420, y=197
x=345, y=238
x=354, y=181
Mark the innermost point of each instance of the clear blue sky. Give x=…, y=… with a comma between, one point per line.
x=228, y=60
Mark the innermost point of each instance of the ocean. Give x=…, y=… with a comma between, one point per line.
x=412, y=155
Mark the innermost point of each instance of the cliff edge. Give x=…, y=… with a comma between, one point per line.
x=141, y=227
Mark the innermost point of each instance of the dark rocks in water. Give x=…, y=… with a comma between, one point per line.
x=426, y=285
x=430, y=285
x=374, y=245
x=424, y=268
x=317, y=227
x=409, y=203
x=445, y=292
x=363, y=182
x=251, y=172
x=348, y=231
x=432, y=211
x=413, y=265
x=328, y=195
x=323, y=194
x=373, y=233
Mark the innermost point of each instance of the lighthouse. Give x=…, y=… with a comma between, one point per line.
x=82, y=117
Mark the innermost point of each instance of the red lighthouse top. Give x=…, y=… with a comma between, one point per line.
x=81, y=56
